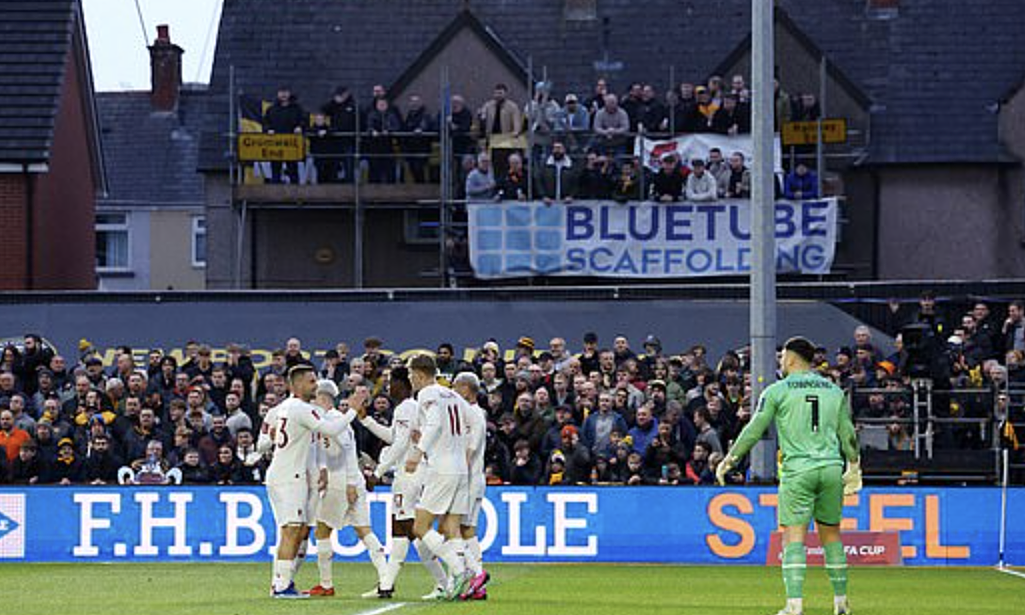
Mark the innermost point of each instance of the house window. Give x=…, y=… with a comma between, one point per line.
x=199, y=241
x=112, y=242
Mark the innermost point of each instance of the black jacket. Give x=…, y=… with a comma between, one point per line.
x=102, y=467
x=668, y=184
x=343, y=115
x=283, y=119
x=74, y=471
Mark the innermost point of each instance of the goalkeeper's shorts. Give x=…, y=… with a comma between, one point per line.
x=813, y=494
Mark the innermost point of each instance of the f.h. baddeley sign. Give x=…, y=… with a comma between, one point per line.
x=644, y=240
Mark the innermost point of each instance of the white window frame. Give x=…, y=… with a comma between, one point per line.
x=198, y=227
x=112, y=227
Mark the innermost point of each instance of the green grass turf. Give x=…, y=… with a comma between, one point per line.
x=598, y=589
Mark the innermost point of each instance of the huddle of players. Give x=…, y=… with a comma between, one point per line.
x=435, y=448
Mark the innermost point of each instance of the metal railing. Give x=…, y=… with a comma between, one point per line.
x=922, y=420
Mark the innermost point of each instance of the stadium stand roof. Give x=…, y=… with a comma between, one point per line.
x=934, y=70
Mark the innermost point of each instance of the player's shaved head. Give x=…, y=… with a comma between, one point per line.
x=801, y=347
x=303, y=382
x=297, y=372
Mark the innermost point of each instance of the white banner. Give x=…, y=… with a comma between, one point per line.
x=689, y=147
x=643, y=240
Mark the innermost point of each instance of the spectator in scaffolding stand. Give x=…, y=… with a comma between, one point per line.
x=706, y=107
x=480, y=182
x=285, y=116
x=500, y=116
x=382, y=122
x=667, y=186
x=597, y=179
x=806, y=108
x=731, y=119
x=420, y=128
x=460, y=125
x=651, y=112
x=343, y=115
x=573, y=117
x=631, y=103
x=323, y=149
x=701, y=185
x=597, y=99
x=801, y=183
x=687, y=118
x=556, y=181
x=542, y=114
x=611, y=125
x=781, y=105
x=715, y=89
x=628, y=184
x=735, y=183
x=514, y=184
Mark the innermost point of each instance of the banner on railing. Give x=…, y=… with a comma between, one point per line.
x=643, y=240
x=689, y=147
x=696, y=525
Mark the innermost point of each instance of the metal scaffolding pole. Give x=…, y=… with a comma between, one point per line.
x=357, y=210
x=763, y=244
x=446, y=175
x=820, y=154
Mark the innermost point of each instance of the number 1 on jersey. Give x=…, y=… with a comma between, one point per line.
x=814, y=401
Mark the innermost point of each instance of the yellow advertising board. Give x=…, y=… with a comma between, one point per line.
x=260, y=147
x=806, y=133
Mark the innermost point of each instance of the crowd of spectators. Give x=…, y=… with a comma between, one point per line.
x=606, y=414
x=598, y=128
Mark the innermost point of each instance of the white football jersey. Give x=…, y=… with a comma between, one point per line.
x=478, y=443
x=404, y=418
x=445, y=432
x=340, y=457
x=293, y=421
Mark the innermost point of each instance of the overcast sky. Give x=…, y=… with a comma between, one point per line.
x=117, y=48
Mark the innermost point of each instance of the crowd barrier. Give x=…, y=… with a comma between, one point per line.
x=942, y=526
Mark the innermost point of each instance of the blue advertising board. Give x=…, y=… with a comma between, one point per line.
x=938, y=526
x=643, y=240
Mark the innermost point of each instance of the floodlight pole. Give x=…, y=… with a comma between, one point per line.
x=763, y=243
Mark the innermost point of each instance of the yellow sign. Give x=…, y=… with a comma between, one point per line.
x=260, y=147
x=806, y=133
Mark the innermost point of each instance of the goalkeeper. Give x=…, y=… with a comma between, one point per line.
x=816, y=435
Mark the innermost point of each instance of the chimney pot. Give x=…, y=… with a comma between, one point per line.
x=165, y=71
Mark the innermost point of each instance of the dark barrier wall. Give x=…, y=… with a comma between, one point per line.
x=612, y=524
x=405, y=325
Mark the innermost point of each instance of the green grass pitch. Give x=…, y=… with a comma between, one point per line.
x=595, y=589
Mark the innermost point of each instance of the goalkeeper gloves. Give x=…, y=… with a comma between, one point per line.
x=728, y=463
x=852, y=478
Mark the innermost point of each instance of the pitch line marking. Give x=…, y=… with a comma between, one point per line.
x=1012, y=572
x=383, y=609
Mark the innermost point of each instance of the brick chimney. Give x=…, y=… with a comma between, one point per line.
x=165, y=59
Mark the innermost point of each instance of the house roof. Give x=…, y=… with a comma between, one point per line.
x=465, y=19
x=932, y=74
x=37, y=38
x=151, y=156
